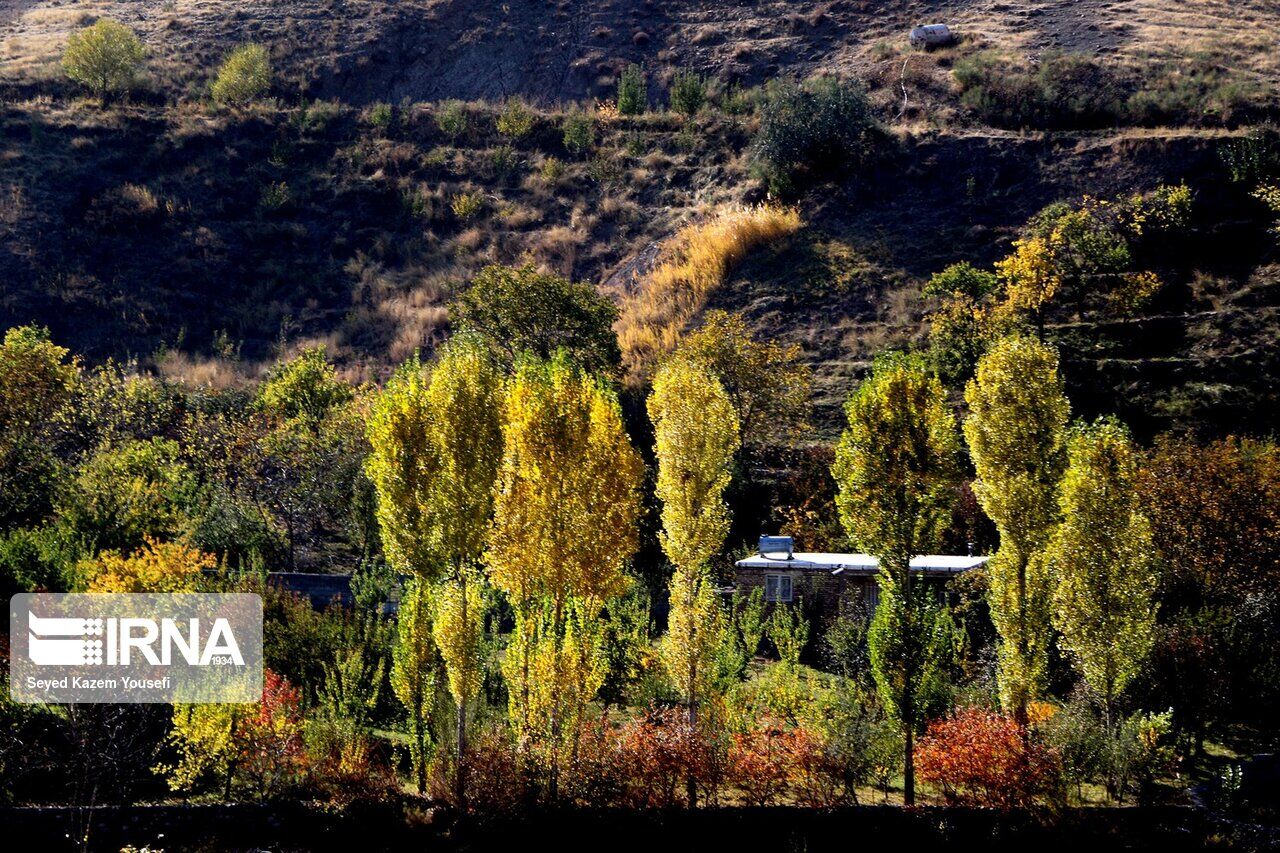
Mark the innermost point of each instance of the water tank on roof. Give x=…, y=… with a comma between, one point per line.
x=775, y=547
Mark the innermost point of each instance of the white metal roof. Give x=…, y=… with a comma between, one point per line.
x=852, y=563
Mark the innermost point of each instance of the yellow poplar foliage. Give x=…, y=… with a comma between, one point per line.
x=694, y=630
x=1016, y=431
x=693, y=265
x=436, y=443
x=204, y=736
x=155, y=567
x=568, y=489
x=696, y=437
x=1103, y=560
x=458, y=628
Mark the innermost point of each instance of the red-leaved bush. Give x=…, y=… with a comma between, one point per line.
x=661, y=752
x=982, y=758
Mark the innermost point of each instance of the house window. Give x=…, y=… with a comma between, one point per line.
x=777, y=587
x=871, y=596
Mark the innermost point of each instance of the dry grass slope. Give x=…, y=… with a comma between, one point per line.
x=695, y=262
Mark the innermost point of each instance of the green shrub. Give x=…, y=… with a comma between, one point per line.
x=275, y=196
x=466, y=205
x=1064, y=91
x=579, y=132
x=633, y=91
x=452, y=118
x=243, y=77
x=810, y=129
x=380, y=116
x=552, y=170
x=688, y=93
x=503, y=161
x=104, y=58
x=516, y=120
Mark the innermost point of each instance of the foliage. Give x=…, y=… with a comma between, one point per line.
x=156, y=567
x=304, y=389
x=243, y=77
x=688, y=92
x=452, y=119
x=981, y=758
x=104, y=58
x=806, y=130
x=579, y=132
x=520, y=310
x=1102, y=559
x=696, y=437
x=693, y=265
x=37, y=380
x=564, y=525
x=633, y=91
x=516, y=120
x=766, y=382
x=895, y=467
x=1016, y=431
x=121, y=495
x=414, y=673
x=661, y=750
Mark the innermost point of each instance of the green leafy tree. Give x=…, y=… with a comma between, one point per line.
x=1016, y=431
x=244, y=77
x=519, y=310
x=688, y=93
x=37, y=381
x=414, y=671
x=436, y=448
x=306, y=389
x=896, y=471
x=104, y=58
x=516, y=120
x=633, y=91
x=1103, y=560
x=579, y=132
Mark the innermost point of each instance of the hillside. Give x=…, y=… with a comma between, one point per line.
x=202, y=241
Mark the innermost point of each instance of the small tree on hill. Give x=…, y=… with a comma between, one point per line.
x=243, y=77
x=633, y=91
x=104, y=58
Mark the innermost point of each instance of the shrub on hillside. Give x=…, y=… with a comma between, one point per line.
x=579, y=132
x=688, y=93
x=516, y=120
x=810, y=129
x=452, y=119
x=1062, y=91
x=104, y=58
x=633, y=91
x=243, y=77
x=983, y=758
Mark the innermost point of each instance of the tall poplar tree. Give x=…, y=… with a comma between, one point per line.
x=895, y=468
x=567, y=504
x=696, y=436
x=1103, y=559
x=436, y=443
x=1016, y=432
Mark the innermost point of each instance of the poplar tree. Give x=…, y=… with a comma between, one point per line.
x=1016, y=431
x=566, y=508
x=1103, y=559
x=414, y=667
x=436, y=447
x=696, y=436
x=895, y=469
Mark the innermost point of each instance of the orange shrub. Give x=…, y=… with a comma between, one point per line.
x=982, y=758
x=661, y=751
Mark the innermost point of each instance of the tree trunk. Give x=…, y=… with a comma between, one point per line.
x=909, y=765
x=460, y=772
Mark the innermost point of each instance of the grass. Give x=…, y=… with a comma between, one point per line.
x=693, y=264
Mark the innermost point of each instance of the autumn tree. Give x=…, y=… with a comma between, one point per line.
x=896, y=471
x=1103, y=561
x=521, y=310
x=243, y=77
x=1016, y=431
x=37, y=380
x=696, y=433
x=437, y=444
x=766, y=382
x=157, y=566
x=564, y=527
